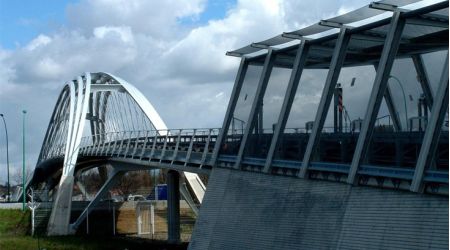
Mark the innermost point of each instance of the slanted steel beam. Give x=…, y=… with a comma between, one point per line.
x=392, y=110
x=206, y=149
x=144, y=145
x=112, y=180
x=423, y=79
x=231, y=107
x=378, y=91
x=256, y=106
x=433, y=130
x=175, y=152
x=336, y=64
x=189, y=152
x=296, y=73
x=152, y=152
x=391, y=107
x=163, y=151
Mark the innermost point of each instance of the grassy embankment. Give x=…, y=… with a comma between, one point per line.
x=15, y=228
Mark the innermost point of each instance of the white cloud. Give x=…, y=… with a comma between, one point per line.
x=156, y=18
x=41, y=40
x=105, y=32
x=182, y=69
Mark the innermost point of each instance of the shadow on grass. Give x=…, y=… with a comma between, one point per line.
x=79, y=242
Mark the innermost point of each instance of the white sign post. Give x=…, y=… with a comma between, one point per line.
x=152, y=219
x=32, y=205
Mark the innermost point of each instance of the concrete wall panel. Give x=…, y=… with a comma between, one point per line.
x=245, y=210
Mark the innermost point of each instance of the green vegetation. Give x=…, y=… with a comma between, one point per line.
x=15, y=225
x=13, y=222
x=77, y=242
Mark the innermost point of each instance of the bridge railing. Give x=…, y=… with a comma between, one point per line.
x=174, y=145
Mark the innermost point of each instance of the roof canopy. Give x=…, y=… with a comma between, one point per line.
x=426, y=30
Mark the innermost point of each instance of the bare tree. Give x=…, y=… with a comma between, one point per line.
x=134, y=181
x=17, y=176
x=92, y=181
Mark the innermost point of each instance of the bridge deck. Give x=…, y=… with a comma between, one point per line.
x=193, y=153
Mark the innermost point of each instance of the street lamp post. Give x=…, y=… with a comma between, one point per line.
x=23, y=160
x=404, y=98
x=7, y=157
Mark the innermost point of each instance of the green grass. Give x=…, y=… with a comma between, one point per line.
x=15, y=227
x=85, y=243
x=14, y=222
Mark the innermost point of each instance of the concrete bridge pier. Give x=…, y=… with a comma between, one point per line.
x=173, y=206
x=60, y=216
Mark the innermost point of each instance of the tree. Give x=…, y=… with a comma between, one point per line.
x=17, y=175
x=133, y=181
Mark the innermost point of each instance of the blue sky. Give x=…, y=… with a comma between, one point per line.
x=214, y=10
x=20, y=22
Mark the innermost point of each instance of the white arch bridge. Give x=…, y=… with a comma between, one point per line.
x=101, y=119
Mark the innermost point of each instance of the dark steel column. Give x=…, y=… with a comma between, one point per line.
x=378, y=91
x=333, y=74
x=294, y=80
x=433, y=131
x=423, y=79
x=231, y=106
x=256, y=105
x=173, y=206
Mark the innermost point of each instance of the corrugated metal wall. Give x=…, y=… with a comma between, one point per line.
x=244, y=210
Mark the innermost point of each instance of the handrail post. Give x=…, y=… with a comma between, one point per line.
x=176, y=147
x=144, y=146
x=191, y=145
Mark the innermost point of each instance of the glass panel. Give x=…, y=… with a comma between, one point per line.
x=233, y=137
x=344, y=118
x=433, y=65
x=261, y=136
x=401, y=148
x=293, y=140
x=442, y=151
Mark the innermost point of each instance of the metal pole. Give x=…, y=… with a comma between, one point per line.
x=32, y=207
x=152, y=218
x=23, y=159
x=156, y=184
x=7, y=157
x=87, y=220
x=114, y=218
x=404, y=98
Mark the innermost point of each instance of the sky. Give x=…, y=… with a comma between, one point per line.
x=173, y=51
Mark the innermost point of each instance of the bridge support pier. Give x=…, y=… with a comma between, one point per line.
x=173, y=206
x=60, y=217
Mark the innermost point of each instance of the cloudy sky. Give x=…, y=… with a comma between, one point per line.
x=172, y=50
